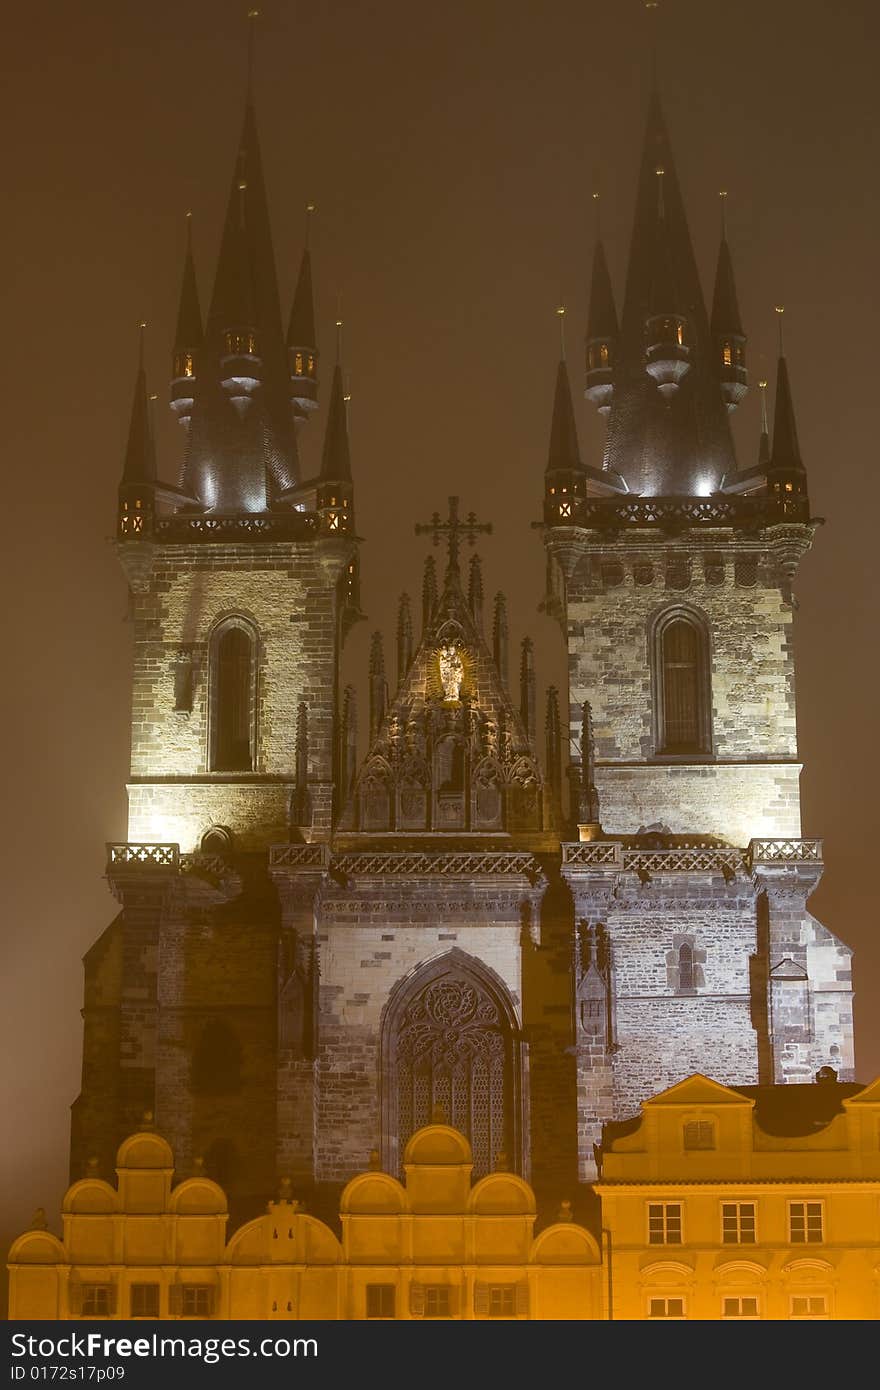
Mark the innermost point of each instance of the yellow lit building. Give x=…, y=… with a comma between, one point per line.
x=746, y=1202
x=435, y=1246
x=717, y=1203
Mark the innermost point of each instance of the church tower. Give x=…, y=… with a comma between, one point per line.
x=672, y=575
x=240, y=577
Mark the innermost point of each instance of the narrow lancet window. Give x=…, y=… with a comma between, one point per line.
x=232, y=723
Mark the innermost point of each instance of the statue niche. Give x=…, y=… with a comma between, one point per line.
x=450, y=780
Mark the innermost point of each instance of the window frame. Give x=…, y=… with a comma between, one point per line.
x=703, y=1126
x=660, y=623
x=666, y=1299
x=98, y=1289
x=442, y=1294
x=664, y=1206
x=380, y=1290
x=808, y=1297
x=807, y=1239
x=139, y=1285
x=196, y=1292
x=740, y=1316
x=737, y=1206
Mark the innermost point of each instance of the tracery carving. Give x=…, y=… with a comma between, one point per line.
x=452, y=1046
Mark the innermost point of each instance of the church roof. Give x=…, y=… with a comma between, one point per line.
x=683, y=447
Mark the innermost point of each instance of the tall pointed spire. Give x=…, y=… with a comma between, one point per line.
x=602, y=331
x=302, y=351
x=187, y=337
x=527, y=689
x=680, y=446
x=429, y=592
x=378, y=686
x=475, y=590
x=564, y=451
x=500, y=638
x=786, y=455
x=140, y=453
x=764, y=444
x=404, y=639
x=727, y=331
x=242, y=452
x=335, y=497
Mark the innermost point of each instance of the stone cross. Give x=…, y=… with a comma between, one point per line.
x=455, y=529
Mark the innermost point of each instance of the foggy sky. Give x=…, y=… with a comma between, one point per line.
x=452, y=151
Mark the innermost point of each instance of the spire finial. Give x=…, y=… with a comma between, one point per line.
x=653, y=5
x=339, y=340
x=661, y=210
x=189, y=231
x=722, y=194
x=142, y=328
x=780, y=310
x=310, y=210
x=597, y=200
x=253, y=16
x=560, y=310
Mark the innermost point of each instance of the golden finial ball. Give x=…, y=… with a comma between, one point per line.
x=660, y=171
x=763, y=385
x=310, y=207
x=242, y=186
x=780, y=308
x=253, y=14
x=142, y=323
x=560, y=309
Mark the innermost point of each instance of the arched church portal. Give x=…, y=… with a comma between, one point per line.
x=450, y=1039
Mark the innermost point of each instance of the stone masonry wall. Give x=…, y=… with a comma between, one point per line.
x=370, y=939
x=613, y=598
x=287, y=594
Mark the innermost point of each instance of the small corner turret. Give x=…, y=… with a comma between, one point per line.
x=302, y=350
x=728, y=338
x=602, y=331
x=137, y=485
x=187, y=338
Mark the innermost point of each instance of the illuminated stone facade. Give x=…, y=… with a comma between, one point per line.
x=317, y=949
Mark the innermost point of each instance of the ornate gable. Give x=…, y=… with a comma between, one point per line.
x=450, y=752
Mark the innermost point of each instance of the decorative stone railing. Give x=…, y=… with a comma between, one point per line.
x=448, y=865
x=299, y=856
x=679, y=859
x=143, y=856
x=676, y=513
x=785, y=852
x=280, y=526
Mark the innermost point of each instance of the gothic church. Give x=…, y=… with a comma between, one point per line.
x=320, y=946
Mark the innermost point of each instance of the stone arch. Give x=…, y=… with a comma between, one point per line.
x=450, y=1038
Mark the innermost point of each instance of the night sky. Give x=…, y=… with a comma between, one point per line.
x=452, y=151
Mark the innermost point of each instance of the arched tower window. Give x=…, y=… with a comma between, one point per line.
x=682, y=698
x=216, y=1065
x=232, y=685
x=449, y=1041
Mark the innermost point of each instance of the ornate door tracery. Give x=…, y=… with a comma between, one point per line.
x=452, y=1046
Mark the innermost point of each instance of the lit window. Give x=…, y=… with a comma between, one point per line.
x=603, y=354
x=565, y=509
x=746, y=1307
x=809, y=1306
x=738, y=1223
x=727, y=355
x=437, y=1301
x=311, y=365
x=805, y=1223
x=681, y=689
x=664, y=1223
x=137, y=523
x=699, y=1134
x=679, y=334
x=666, y=1308
x=298, y=364
x=145, y=1300
x=380, y=1300
x=97, y=1300
x=789, y=487
x=231, y=684
x=333, y=521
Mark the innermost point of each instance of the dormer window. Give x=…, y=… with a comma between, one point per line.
x=727, y=354
x=184, y=365
x=298, y=364
x=699, y=1134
